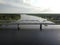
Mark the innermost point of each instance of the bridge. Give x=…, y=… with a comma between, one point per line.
x=26, y=22
x=51, y=17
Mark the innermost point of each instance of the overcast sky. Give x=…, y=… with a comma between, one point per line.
x=31, y=6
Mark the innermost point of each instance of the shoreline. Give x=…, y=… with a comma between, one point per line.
x=28, y=17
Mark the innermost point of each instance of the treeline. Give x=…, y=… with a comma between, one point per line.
x=50, y=17
x=10, y=16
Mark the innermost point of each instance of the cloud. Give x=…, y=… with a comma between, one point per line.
x=14, y=6
x=14, y=1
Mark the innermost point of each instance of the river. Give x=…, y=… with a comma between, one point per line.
x=50, y=35
x=29, y=17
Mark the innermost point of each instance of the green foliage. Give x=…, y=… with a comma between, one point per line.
x=50, y=17
x=9, y=17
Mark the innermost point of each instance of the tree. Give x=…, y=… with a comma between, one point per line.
x=7, y=18
x=51, y=17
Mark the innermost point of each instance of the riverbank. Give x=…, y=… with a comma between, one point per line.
x=28, y=17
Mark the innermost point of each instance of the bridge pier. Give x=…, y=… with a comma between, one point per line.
x=18, y=27
x=40, y=27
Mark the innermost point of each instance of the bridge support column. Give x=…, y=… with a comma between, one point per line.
x=18, y=26
x=40, y=27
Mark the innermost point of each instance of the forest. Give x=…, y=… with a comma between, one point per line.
x=51, y=17
x=9, y=17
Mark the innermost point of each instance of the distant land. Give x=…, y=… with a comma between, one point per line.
x=50, y=17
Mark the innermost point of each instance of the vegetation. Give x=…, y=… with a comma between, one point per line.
x=9, y=17
x=51, y=17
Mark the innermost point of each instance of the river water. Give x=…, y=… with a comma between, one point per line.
x=30, y=37
x=28, y=17
x=50, y=35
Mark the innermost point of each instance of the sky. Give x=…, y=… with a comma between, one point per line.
x=53, y=5
x=29, y=6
